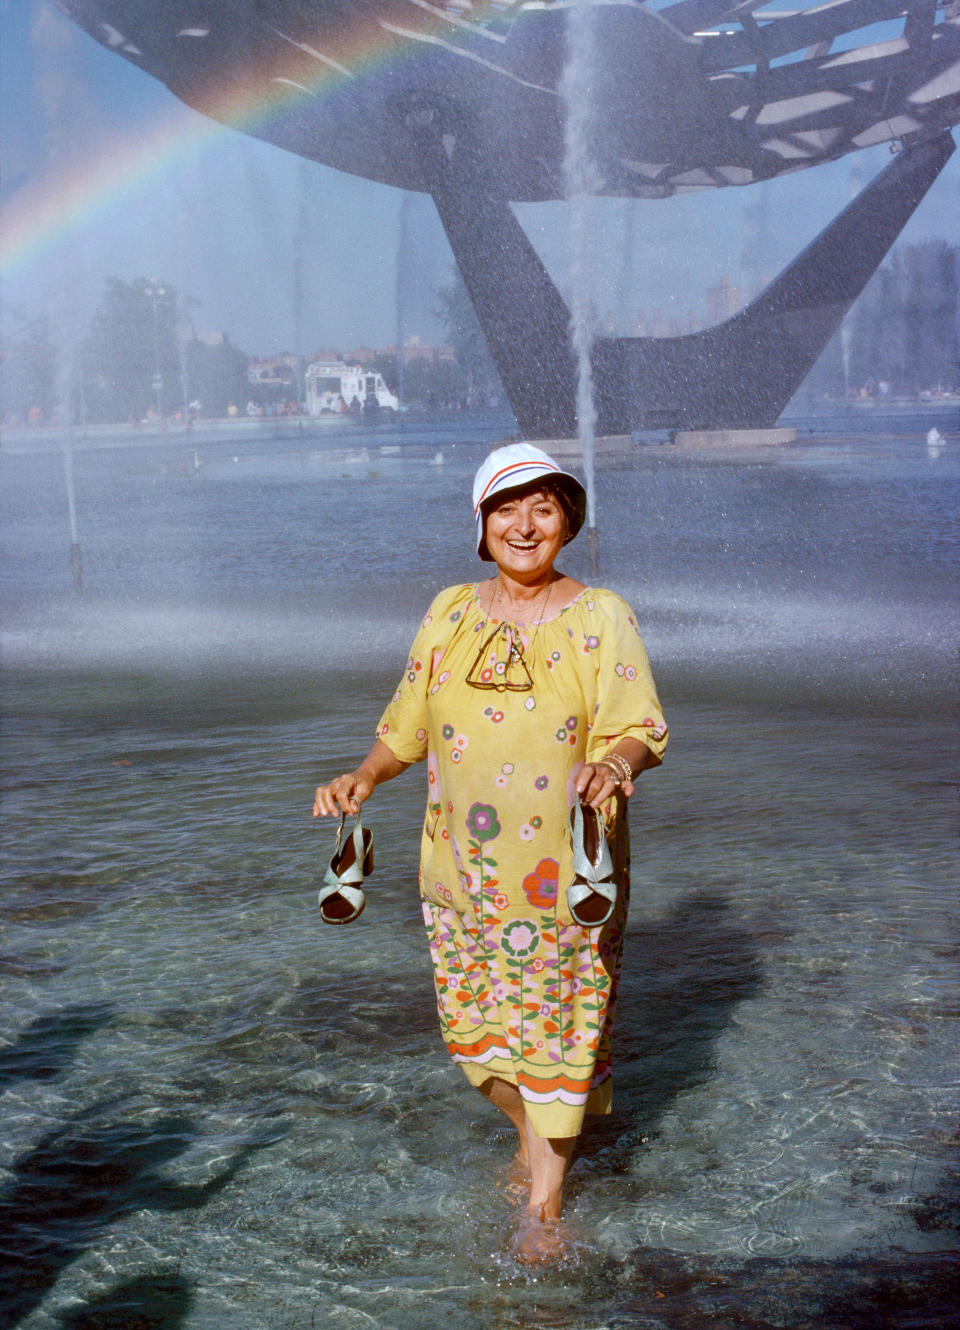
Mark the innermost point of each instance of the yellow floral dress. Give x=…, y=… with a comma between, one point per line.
x=524, y=993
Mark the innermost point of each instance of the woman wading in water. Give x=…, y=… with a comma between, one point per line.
x=531, y=699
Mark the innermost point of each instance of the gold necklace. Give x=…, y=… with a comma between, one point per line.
x=497, y=676
x=498, y=599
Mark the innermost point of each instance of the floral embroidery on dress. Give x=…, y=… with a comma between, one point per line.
x=540, y=886
x=520, y=938
x=523, y=993
x=482, y=822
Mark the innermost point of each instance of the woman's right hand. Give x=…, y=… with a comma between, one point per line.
x=345, y=794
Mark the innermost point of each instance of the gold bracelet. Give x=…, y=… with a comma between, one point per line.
x=618, y=763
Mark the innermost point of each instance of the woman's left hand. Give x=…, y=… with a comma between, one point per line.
x=597, y=782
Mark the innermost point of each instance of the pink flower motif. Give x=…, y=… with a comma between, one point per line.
x=526, y=832
x=500, y=782
x=520, y=938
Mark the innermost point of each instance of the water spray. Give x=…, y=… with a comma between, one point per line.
x=582, y=181
x=76, y=554
x=404, y=251
x=58, y=107
x=301, y=237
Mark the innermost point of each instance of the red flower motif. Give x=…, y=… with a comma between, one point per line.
x=540, y=886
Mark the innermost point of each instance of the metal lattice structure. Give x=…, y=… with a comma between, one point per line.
x=462, y=100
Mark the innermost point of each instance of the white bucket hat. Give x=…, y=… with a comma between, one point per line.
x=514, y=467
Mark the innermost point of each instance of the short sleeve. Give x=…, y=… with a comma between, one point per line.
x=403, y=726
x=626, y=698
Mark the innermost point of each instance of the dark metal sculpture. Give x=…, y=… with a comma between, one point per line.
x=462, y=100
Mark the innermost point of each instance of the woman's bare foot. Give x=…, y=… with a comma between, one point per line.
x=515, y=1177
x=540, y=1240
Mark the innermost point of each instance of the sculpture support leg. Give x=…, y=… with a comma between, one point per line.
x=524, y=319
x=742, y=373
x=737, y=375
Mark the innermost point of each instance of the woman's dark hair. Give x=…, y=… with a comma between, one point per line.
x=568, y=507
x=546, y=485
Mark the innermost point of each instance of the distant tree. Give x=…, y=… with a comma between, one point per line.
x=904, y=324
x=434, y=385
x=903, y=328
x=27, y=368
x=386, y=364
x=133, y=331
x=217, y=376
x=465, y=335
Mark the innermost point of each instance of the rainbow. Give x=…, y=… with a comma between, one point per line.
x=69, y=195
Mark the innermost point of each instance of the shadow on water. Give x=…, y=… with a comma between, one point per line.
x=78, y=1181
x=683, y=977
x=48, y=1044
x=902, y=1291
x=157, y=1301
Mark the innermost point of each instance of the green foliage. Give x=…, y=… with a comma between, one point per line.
x=217, y=376
x=27, y=368
x=440, y=386
x=140, y=330
x=132, y=337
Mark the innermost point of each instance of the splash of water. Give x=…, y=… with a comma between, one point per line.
x=582, y=181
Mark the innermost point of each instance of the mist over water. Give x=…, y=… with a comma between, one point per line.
x=581, y=182
x=217, y=1112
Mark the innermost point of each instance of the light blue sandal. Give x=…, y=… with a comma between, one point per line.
x=593, y=895
x=341, y=898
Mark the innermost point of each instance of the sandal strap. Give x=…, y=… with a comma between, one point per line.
x=594, y=872
x=353, y=874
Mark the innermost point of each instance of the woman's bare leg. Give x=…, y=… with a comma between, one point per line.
x=540, y=1237
x=549, y=1160
x=506, y=1097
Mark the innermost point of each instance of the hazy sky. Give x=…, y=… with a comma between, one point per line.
x=106, y=173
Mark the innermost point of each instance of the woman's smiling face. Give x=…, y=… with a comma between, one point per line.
x=525, y=532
